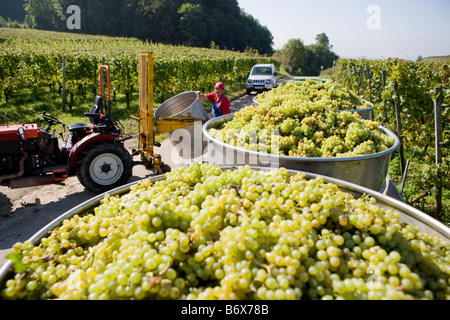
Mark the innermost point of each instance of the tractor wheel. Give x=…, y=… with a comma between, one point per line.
x=104, y=167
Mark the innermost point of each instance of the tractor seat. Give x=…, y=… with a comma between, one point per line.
x=79, y=127
x=94, y=115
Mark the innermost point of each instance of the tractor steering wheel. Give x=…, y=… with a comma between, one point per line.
x=50, y=121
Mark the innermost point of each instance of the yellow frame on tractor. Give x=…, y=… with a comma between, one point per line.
x=149, y=125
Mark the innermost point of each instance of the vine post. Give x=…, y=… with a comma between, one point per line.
x=399, y=129
x=383, y=87
x=369, y=80
x=63, y=61
x=361, y=75
x=383, y=79
x=438, y=138
x=102, y=77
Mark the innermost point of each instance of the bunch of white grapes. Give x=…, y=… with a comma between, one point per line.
x=207, y=233
x=303, y=120
x=333, y=94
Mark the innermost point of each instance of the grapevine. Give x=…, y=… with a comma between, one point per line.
x=333, y=94
x=414, y=83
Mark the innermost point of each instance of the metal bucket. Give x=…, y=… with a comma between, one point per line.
x=182, y=105
x=408, y=214
x=188, y=141
x=368, y=171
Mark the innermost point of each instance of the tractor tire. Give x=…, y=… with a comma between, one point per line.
x=104, y=167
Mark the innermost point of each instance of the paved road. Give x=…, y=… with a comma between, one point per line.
x=23, y=212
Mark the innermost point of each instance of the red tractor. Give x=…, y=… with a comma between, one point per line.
x=30, y=154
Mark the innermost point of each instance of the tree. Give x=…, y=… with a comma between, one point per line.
x=294, y=56
x=163, y=21
x=307, y=60
x=256, y=36
x=320, y=55
x=42, y=14
x=188, y=22
x=192, y=25
x=93, y=16
x=151, y=20
x=323, y=41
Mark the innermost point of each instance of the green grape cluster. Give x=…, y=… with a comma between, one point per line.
x=302, y=120
x=330, y=93
x=207, y=233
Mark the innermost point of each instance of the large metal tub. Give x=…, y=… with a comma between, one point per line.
x=188, y=141
x=366, y=114
x=310, y=79
x=366, y=171
x=408, y=214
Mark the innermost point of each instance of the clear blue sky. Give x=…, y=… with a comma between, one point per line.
x=359, y=28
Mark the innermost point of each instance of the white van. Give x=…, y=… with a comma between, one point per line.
x=262, y=77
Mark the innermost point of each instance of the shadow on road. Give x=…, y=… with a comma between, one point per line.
x=22, y=223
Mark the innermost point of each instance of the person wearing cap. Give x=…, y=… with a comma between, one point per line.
x=219, y=101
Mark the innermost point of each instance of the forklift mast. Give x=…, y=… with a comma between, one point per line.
x=149, y=125
x=146, y=113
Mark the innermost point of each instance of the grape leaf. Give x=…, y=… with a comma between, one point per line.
x=18, y=265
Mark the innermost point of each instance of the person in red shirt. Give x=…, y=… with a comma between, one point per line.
x=219, y=101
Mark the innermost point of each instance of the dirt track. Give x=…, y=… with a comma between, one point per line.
x=23, y=212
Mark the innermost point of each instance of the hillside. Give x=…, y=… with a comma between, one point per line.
x=65, y=42
x=440, y=59
x=197, y=23
x=31, y=69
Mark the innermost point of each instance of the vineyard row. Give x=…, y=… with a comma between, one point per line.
x=404, y=95
x=172, y=75
x=410, y=84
